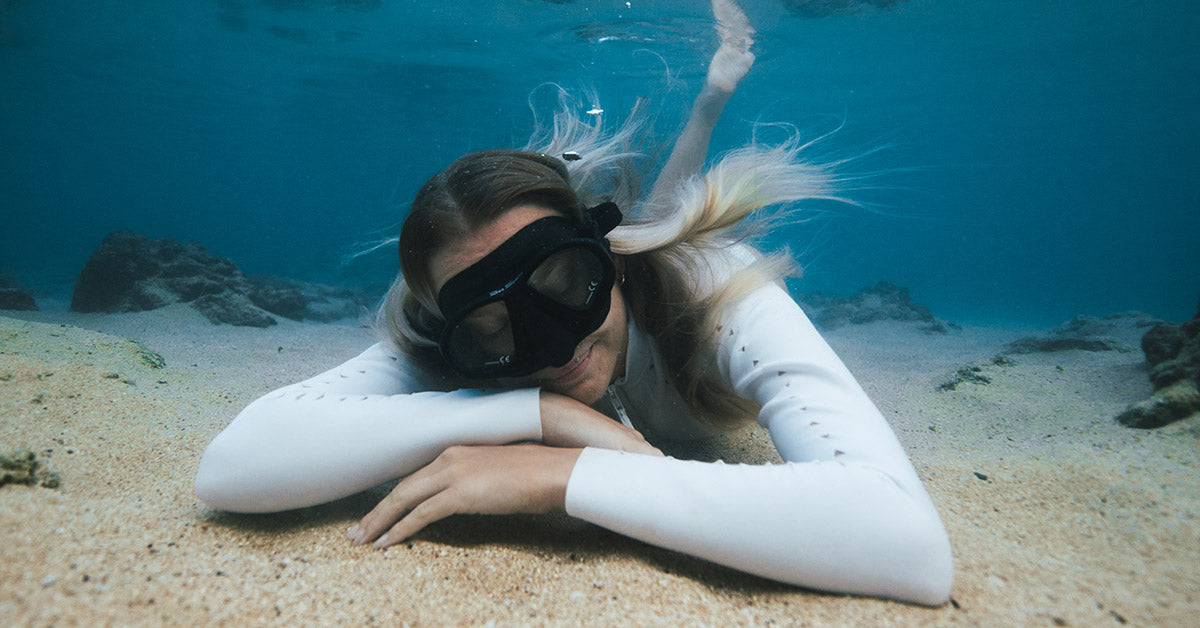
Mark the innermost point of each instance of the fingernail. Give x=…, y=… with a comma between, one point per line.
x=382, y=542
x=360, y=537
x=352, y=532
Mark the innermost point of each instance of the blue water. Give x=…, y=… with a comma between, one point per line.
x=1041, y=158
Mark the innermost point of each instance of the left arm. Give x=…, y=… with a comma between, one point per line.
x=845, y=513
x=728, y=67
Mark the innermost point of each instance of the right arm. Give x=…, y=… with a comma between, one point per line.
x=367, y=422
x=349, y=429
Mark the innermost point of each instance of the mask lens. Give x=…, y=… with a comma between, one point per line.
x=484, y=337
x=569, y=277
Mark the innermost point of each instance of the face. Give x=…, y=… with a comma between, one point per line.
x=599, y=359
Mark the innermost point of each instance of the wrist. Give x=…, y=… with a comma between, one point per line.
x=710, y=103
x=560, y=464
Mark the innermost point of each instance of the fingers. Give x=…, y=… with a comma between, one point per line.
x=406, y=496
x=733, y=59
x=471, y=479
x=437, y=507
x=732, y=25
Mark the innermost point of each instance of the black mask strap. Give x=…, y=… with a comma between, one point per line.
x=606, y=216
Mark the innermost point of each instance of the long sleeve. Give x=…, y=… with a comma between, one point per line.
x=846, y=512
x=348, y=429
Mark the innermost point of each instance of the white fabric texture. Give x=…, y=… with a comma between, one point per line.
x=846, y=512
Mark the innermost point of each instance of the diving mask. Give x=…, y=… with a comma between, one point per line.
x=529, y=303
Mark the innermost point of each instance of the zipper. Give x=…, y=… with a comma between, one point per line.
x=615, y=400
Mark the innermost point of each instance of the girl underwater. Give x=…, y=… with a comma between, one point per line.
x=528, y=308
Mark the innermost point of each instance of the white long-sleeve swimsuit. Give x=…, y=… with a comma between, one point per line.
x=845, y=512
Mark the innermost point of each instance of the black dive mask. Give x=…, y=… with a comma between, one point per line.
x=528, y=304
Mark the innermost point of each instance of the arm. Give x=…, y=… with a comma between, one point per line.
x=349, y=429
x=367, y=422
x=727, y=68
x=845, y=513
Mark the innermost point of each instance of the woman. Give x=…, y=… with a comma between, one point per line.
x=526, y=310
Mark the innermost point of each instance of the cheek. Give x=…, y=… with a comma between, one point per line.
x=616, y=318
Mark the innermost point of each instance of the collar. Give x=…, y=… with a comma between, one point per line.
x=639, y=354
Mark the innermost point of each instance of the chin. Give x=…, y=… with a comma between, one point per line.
x=588, y=391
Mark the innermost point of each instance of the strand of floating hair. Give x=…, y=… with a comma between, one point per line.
x=604, y=156
x=743, y=181
x=362, y=249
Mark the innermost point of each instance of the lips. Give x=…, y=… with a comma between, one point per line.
x=573, y=370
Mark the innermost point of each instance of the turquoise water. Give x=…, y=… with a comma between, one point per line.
x=1040, y=158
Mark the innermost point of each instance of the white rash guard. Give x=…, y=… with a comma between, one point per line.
x=846, y=512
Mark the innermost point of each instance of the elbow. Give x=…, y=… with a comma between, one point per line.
x=224, y=482
x=930, y=575
x=233, y=474
x=216, y=482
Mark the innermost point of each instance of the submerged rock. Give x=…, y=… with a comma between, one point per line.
x=129, y=272
x=1173, y=352
x=299, y=300
x=15, y=299
x=1167, y=405
x=1088, y=333
x=979, y=374
x=1050, y=344
x=1162, y=343
x=232, y=308
x=885, y=301
x=23, y=467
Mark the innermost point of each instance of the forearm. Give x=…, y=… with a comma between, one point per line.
x=690, y=150
x=292, y=449
x=824, y=525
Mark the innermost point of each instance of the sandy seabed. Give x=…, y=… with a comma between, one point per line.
x=1057, y=514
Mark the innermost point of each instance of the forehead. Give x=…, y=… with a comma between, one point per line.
x=459, y=256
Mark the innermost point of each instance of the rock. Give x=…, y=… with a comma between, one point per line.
x=884, y=301
x=299, y=300
x=13, y=296
x=1162, y=342
x=23, y=467
x=969, y=375
x=129, y=272
x=1050, y=344
x=1089, y=333
x=976, y=374
x=1177, y=401
x=1173, y=352
x=16, y=299
x=284, y=301
x=233, y=309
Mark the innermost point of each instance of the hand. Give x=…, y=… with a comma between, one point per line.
x=733, y=59
x=567, y=422
x=499, y=480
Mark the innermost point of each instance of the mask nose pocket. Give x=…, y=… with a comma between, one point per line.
x=549, y=340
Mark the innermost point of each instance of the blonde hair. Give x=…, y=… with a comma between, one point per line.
x=675, y=289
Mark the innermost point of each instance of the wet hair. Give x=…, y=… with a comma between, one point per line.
x=676, y=251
